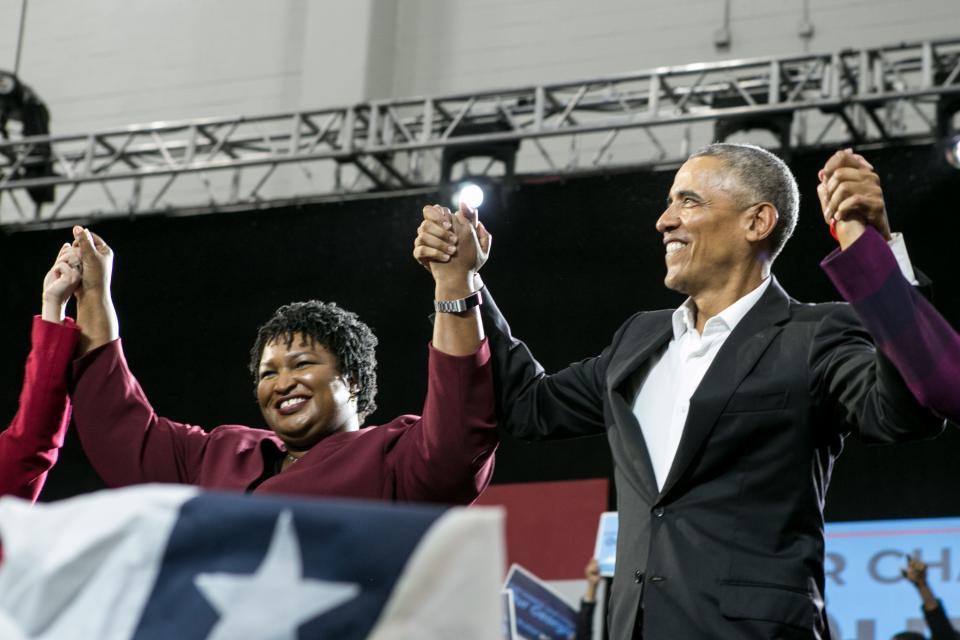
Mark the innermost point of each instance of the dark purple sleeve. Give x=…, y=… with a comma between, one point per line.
x=905, y=326
x=447, y=456
x=125, y=440
x=29, y=447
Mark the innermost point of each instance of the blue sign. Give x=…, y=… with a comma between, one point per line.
x=542, y=614
x=867, y=596
x=605, y=550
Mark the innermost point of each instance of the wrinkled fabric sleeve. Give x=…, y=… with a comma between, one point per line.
x=447, y=455
x=125, y=440
x=532, y=404
x=30, y=446
x=909, y=331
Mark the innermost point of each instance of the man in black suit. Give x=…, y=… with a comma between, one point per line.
x=725, y=415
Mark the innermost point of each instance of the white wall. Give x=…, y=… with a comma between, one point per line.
x=105, y=63
x=460, y=45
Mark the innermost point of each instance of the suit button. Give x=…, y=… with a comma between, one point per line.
x=657, y=578
x=638, y=576
x=658, y=512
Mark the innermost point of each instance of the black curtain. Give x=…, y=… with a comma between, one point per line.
x=571, y=260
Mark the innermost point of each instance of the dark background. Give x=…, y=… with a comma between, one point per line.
x=571, y=260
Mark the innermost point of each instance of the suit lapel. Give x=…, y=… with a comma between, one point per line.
x=734, y=361
x=623, y=379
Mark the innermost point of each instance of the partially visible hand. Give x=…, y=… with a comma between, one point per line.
x=60, y=283
x=916, y=571
x=592, y=572
x=480, y=234
x=96, y=315
x=97, y=260
x=850, y=194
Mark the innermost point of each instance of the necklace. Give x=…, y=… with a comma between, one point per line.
x=292, y=458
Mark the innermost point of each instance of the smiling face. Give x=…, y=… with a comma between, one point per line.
x=705, y=228
x=302, y=394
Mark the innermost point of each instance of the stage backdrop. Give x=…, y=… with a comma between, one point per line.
x=571, y=260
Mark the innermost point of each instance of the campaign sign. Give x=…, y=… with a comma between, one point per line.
x=541, y=612
x=509, y=625
x=605, y=550
x=867, y=597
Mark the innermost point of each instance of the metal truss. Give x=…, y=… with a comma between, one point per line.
x=905, y=92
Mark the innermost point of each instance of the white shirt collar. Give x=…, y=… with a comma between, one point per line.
x=684, y=317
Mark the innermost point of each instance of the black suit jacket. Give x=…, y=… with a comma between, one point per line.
x=732, y=546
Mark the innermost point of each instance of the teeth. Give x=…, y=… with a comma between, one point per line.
x=674, y=246
x=290, y=402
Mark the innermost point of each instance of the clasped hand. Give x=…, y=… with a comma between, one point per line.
x=451, y=245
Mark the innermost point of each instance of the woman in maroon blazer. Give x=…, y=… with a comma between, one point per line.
x=314, y=371
x=29, y=446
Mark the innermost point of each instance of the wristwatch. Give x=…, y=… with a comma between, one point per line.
x=458, y=306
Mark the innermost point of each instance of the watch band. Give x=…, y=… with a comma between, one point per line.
x=458, y=306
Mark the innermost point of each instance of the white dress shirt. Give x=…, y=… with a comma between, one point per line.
x=674, y=374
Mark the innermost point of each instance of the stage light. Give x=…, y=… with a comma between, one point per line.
x=19, y=102
x=470, y=194
x=952, y=151
x=487, y=164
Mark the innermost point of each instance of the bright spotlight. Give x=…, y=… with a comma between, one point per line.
x=470, y=194
x=953, y=151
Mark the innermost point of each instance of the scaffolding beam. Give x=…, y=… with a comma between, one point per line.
x=880, y=95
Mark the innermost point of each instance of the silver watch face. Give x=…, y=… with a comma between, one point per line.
x=452, y=306
x=458, y=306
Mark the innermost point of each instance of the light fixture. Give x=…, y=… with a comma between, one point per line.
x=18, y=102
x=486, y=161
x=469, y=193
x=952, y=151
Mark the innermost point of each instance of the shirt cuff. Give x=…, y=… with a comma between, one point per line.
x=899, y=248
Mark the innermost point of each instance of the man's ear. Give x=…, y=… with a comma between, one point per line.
x=762, y=219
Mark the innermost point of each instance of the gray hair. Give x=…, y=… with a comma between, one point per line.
x=763, y=177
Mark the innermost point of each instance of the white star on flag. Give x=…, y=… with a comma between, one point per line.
x=276, y=599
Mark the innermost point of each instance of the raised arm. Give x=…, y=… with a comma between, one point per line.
x=456, y=333
x=940, y=628
x=125, y=440
x=29, y=447
x=530, y=403
x=447, y=456
x=96, y=314
x=907, y=329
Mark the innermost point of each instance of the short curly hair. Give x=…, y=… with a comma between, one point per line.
x=336, y=329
